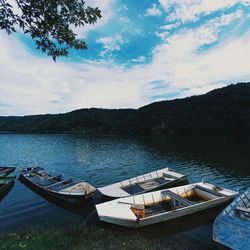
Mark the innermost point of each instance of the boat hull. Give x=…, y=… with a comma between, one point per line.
x=164, y=205
x=6, y=170
x=167, y=216
x=4, y=188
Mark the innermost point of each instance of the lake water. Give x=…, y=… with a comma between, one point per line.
x=103, y=160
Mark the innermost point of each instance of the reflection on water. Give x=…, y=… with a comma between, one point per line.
x=6, y=191
x=104, y=160
x=224, y=160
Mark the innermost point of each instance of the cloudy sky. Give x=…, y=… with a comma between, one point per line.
x=139, y=52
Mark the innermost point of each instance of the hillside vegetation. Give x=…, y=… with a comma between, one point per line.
x=221, y=111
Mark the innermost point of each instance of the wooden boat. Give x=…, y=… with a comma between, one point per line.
x=155, y=180
x=6, y=170
x=164, y=205
x=57, y=186
x=7, y=177
x=232, y=226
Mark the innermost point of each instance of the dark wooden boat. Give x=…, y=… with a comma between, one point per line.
x=55, y=185
x=232, y=226
x=7, y=177
x=6, y=170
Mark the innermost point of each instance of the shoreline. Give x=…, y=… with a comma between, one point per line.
x=79, y=237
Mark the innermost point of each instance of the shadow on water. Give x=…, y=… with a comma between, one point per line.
x=5, y=192
x=83, y=208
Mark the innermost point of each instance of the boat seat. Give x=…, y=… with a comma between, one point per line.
x=245, y=210
x=6, y=170
x=169, y=176
x=210, y=191
x=177, y=197
x=64, y=186
x=58, y=183
x=5, y=175
x=161, y=180
x=43, y=182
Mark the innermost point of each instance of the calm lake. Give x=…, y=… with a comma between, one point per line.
x=102, y=160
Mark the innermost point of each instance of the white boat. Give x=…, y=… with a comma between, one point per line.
x=164, y=205
x=152, y=181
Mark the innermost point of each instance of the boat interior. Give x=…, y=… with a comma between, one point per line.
x=147, y=182
x=6, y=170
x=6, y=178
x=242, y=209
x=171, y=201
x=2, y=182
x=48, y=181
x=56, y=182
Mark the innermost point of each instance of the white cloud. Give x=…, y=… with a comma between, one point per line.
x=32, y=85
x=179, y=62
x=190, y=10
x=139, y=59
x=15, y=8
x=111, y=43
x=153, y=10
x=163, y=35
x=170, y=26
x=186, y=42
x=165, y=30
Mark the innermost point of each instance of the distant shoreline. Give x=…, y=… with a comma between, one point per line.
x=224, y=111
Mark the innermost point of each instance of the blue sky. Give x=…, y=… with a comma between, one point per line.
x=139, y=52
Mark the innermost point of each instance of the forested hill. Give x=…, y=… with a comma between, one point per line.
x=221, y=111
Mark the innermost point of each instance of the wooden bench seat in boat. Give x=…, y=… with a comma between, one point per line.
x=6, y=170
x=50, y=180
x=58, y=183
x=243, y=209
x=177, y=197
x=64, y=186
x=210, y=191
x=169, y=176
